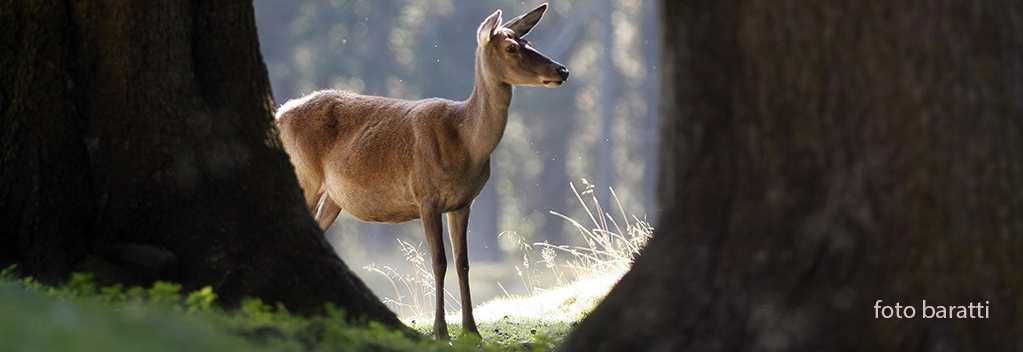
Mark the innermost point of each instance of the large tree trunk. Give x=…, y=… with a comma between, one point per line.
x=818, y=157
x=138, y=140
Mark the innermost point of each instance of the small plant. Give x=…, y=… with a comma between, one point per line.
x=8, y=271
x=596, y=266
x=528, y=273
x=164, y=293
x=420, y=286
x=201, y=300
x=609, y=249
x=549, y=256
x=80, y=284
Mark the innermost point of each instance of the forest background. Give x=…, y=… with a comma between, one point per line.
x=601, y=125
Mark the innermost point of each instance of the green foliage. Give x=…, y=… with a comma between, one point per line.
x=136, y=294
x=113, y=293
x=7, y=271
x=201, y=300
x=83, y=317
x=254, y=310
x=32, y=284
x=164, y=293
x=80, y=285
x=39, y=318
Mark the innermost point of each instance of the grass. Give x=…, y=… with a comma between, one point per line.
x=42, y=320
x=80, y=316
x=582, y=277
x=609, y=249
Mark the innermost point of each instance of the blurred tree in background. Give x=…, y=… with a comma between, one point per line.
x=599, y=126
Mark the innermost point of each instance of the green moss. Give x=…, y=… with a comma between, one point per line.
x=35, y=322
x=519, y=334
x=82, y=317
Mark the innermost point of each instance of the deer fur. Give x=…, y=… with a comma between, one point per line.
x=390, y=160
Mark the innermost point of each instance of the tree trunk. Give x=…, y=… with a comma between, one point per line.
x=604, y=174
x=139, y=141
x=818, y=157
x=44, y=182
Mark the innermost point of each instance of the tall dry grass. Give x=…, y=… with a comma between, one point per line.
x=610, y=247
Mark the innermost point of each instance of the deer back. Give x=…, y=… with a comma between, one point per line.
x=378, y=156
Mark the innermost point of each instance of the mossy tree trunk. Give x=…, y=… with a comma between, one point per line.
x=137, y=139
x=818, y=156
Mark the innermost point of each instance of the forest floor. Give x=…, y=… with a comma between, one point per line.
x=79, y=316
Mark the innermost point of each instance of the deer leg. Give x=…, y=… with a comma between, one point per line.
x=326, y=211
x=313, y=201
x=457, y=222
x=430, y=213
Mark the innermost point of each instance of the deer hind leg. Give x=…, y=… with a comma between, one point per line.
x=457, y=222
x=430, y=214
x=326, y=211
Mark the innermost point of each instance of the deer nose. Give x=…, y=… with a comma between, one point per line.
x=563, y=72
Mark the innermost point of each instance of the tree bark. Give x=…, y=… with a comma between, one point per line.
x=820, y=156
x=44, y=185
x=140, y=139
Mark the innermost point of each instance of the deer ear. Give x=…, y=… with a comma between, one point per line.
x=486, y=30
x=522, y=24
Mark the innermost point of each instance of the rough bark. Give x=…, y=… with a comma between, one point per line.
x=818, y=156
x=138, y=142
x=44, y=184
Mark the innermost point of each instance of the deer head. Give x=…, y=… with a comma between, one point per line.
x=509, y=58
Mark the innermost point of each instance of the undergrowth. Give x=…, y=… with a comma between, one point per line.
x=79, y=316
x=582, y=274
x=610, y=247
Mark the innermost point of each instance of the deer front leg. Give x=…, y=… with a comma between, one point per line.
x=430, y=213
x=457, y=223
x=326, y=211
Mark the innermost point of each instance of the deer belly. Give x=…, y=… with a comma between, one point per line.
x=390, y=216
x=377, y=205
x=390, y=202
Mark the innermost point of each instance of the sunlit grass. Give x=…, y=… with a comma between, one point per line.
x=582, y=276
x=610, y=248
x=419, y=285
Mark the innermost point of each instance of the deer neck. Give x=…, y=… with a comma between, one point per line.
x=486, y=112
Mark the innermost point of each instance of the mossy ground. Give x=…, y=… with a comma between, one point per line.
x=81, y=317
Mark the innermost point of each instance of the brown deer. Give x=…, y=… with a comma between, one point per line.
x=390, y=160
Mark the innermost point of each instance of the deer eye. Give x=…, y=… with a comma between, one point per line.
x=511, y=48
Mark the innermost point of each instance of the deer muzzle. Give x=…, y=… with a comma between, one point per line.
x=562, y=72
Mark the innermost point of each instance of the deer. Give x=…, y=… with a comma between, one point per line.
x=391, y=161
